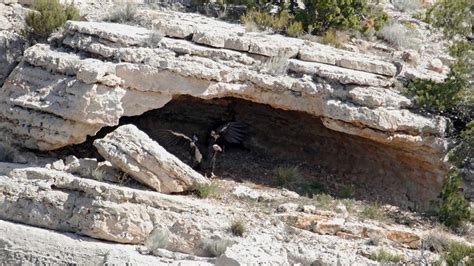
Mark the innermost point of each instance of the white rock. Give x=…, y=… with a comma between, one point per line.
x=287, y=207
x=436, y=65
x=135, y=153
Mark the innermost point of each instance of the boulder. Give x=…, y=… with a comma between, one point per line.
x=136, y=154
x=436, y=65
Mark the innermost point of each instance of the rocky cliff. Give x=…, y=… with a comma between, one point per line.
x=96, y=73
x=338, y=115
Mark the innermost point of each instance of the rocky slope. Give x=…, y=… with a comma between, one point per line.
x=331, y=110
x=100, y=72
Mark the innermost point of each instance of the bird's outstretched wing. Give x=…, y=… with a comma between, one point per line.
x=232, y=132
x=168, y=137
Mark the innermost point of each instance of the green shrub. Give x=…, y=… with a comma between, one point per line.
x=373, y=211
x=295, y=29
x=458, y=253
x=454, y=208
x=384, y=256
x=346, y=192
x=453, y=16
x=265, y=21
x=324, y=200
x=238, y=228
x=398, y=35
x=464, y=151
x=207, y=190
x=322, y=15
x=437, y=242
x=284, y=176
x=48, y=15
x=330, y=37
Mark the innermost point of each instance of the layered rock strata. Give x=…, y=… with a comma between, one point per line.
x=100, y=72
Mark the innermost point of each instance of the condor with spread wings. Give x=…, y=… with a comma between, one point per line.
x=170, y=137
x=229, y=133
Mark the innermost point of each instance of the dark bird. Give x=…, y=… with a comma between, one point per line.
x=229, y=133
x=169, y=137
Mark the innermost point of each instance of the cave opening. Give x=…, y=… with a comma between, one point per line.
x=327, y=161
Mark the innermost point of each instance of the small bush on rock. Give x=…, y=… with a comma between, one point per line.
x=285, y=175
x=437, y=242
x=295, y=29
x=238, y=228
x=399, y=36
x=384, y=256
x=217, y=247
x=207, y=190
x=331, y=37
x=373, y=211
x=407, y=5
x=459, y=254
x=48, y=15
x=123, y=13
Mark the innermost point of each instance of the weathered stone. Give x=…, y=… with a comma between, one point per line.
x=135, y=153
x=405, y=238
x=410, y=56
x=23, y=244
x=11, y=49
x=247, y=253
x=287, y=207
x=330, y=227
x=436, y=65
x=325, y=54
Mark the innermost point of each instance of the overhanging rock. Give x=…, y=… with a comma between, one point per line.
x=56, y=97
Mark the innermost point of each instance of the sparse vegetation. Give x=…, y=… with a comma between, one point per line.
x=437, y=242
x=323, y=200
x=276, y=65
x=382, y=255
x=285, y=175
x=373, y=211
x=48, y=16
x=399, y=36
x=123, y=13
x=8, y=152
x=331, y=37
x=295, y=29
x=217, y=247
x=238, y=228
x=459, y=254
x=262, y=20
x=159, y=238
x=98, y=174
x=407, y=5
x=346, y=192
x=207, y=190
x=153, y=39
x=375, y=239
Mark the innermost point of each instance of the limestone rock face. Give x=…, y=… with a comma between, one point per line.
x=136, y=154
x=23, y=244
x=11, y=50
x=57, y=97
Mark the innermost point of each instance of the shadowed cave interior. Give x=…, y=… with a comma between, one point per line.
x=328, y=161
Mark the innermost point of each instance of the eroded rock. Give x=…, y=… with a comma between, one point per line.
x=136, y=154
